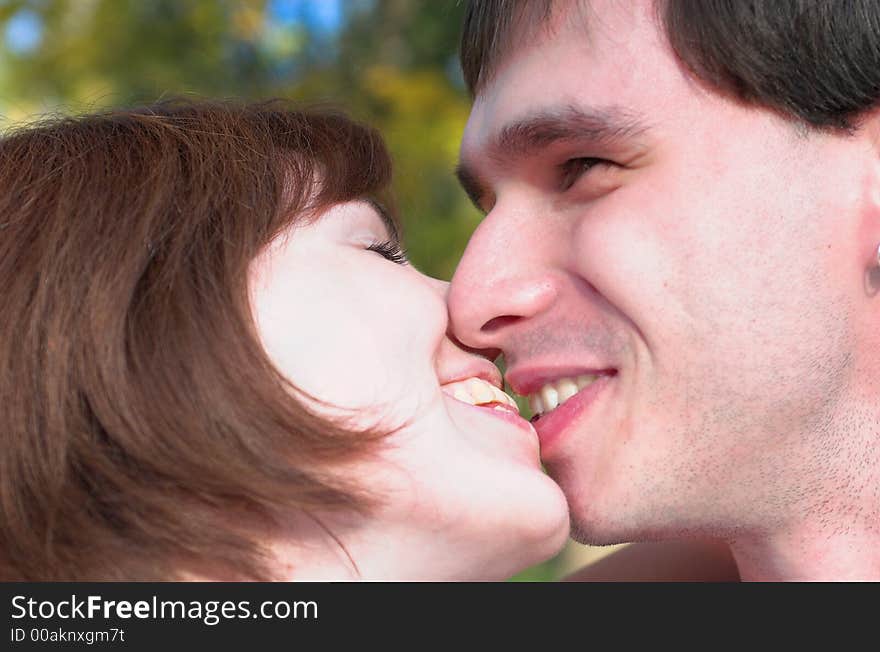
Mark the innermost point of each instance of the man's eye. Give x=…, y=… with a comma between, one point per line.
x=574, y=168
x=391, y=250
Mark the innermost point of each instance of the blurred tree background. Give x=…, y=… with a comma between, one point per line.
x=392, y=63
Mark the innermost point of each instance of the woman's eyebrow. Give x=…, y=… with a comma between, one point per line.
x=389, y=222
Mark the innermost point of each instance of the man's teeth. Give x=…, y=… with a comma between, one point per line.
x=554, y=394
x=477, y=391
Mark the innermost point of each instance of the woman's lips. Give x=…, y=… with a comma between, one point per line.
x=477, y=391
x=486, y=397
x=553, y=426
x=508, y=414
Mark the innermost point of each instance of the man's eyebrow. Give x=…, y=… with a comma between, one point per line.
x=530, y=134
x=470, y=183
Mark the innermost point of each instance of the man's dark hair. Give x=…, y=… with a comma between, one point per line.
x=812, y=60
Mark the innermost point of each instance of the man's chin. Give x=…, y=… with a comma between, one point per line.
x=592, y=526
x=591, y=534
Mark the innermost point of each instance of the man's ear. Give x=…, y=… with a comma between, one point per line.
x=869, y=229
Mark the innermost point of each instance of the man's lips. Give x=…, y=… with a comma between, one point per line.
x=553, y=427
x=528, y=380
x=562, y=394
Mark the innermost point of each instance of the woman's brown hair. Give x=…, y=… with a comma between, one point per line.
x=140, y=414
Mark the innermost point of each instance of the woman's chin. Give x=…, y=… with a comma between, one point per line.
x=535, y=539
x=545, y=528
x=535, y=508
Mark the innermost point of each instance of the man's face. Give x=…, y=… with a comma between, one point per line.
x=700, y=258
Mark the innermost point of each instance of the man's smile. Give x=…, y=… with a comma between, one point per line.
x=558, y=397
x=554, y=394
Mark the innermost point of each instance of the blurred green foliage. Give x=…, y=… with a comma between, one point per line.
x=392, y=63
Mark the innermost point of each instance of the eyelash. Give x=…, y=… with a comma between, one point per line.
x=574, y=168
x=391, y=250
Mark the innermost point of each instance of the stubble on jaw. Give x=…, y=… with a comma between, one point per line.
x=745, y=458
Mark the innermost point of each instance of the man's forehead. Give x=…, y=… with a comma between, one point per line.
x=491, y=39
x=602, y=64
x=531, y=24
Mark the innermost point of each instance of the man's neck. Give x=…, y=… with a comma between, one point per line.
x=830, y=527
x=811, y=554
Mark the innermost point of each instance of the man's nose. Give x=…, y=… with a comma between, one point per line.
x=503, y=281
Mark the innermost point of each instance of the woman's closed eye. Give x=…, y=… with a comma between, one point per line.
x=391, y=250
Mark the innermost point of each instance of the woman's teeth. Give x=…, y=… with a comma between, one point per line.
x=476, y=391
x=554, y=394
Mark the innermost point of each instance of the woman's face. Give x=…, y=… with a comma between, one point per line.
x=464, y=493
